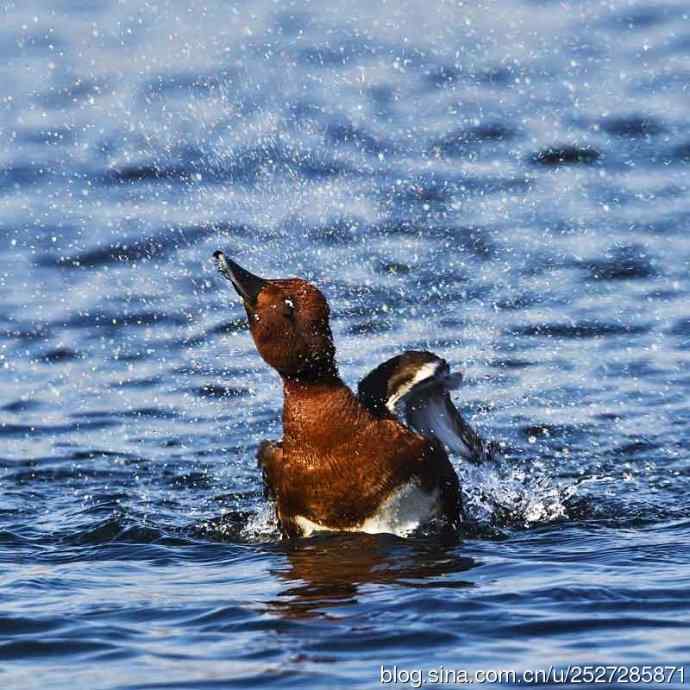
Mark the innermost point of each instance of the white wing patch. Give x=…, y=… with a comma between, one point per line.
x=425, y=374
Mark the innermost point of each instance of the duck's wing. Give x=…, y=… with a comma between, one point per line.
x=415, y=387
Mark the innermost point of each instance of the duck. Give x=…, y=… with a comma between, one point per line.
x=374, y=461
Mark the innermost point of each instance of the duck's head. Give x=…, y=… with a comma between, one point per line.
x=288, y=319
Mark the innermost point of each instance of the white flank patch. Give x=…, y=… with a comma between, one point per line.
x=401, y=513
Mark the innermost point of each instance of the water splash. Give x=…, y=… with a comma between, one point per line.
x=502, y=495
x=262, y=525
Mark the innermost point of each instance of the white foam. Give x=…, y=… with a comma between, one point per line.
x=492, y=491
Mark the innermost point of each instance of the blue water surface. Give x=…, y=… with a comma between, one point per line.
x=504, y=182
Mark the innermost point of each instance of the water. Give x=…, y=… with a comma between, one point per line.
x=505, y=183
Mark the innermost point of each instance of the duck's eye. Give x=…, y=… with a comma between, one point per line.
x=288, y=308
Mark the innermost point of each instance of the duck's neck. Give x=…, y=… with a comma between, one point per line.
x=319, y=413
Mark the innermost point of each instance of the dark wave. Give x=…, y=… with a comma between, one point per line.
x=633, y=126
x=582, y=329
x=566, y=155
x=158, y=246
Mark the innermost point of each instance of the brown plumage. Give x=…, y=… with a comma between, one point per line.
x=337, y=462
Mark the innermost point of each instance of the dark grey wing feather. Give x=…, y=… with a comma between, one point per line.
x=415, y=387
x=431, y=412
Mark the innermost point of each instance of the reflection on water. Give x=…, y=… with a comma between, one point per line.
x=330, y=570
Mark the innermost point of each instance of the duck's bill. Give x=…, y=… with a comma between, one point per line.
x=247, y=285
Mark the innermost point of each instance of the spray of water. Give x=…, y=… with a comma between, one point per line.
x=262, y=525
x=501, y=494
